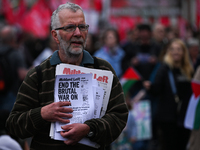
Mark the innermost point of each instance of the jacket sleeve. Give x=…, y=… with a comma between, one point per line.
x=109, y=127
x=25, y=118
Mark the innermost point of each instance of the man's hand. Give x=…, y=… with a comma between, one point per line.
x=74, y=132
x=56, y=112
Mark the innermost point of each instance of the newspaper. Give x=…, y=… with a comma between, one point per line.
x=104, y=78
x=101, y=88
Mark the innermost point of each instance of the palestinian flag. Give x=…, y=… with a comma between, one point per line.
x=128, y=79
x=192, y=118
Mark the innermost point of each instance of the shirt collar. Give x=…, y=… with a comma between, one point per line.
x=87, y=58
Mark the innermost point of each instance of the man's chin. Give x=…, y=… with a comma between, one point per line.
x=76, y=51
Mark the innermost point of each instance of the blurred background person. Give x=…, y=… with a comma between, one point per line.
x=111, y=51
x=172, y=85
x=32, y=48
x=143, y=54
x=193, y=47
x=159, y=35
x=132, y=36
x=48, y=51
x=91, y=43
x=17, y=66
x=171, y=33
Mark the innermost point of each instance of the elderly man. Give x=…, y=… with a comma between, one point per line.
x=35, y=108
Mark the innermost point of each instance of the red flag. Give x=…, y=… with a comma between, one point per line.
x=21, y=9
x=124, y=24
x=85, y=4
x=8, y=11
x=131, y=74
x=98, y=5
x=13, y=16
x=37, y=20
x=128, y=79
x=165, y=21
x=196, y=88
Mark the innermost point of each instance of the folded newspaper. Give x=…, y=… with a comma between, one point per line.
x=87, y=89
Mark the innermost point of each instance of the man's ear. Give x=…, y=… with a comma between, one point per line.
x=55, y=36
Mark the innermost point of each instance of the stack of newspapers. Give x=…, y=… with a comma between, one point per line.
x=87, y=89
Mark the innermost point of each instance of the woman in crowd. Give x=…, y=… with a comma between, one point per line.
x=110, y=51
x=172, y=85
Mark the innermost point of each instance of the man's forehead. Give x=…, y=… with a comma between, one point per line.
x=70, y=14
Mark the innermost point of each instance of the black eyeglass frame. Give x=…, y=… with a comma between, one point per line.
x=64, y=28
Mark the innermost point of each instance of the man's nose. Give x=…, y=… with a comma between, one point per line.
x=77, y=32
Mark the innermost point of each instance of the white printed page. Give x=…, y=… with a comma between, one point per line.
x=78, y=90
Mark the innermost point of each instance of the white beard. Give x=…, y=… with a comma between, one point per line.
x=68, y=49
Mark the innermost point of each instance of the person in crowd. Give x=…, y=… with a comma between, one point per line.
x=172, y=86
x=159, y=35
x=141, y=55
x=32, y=47
x=189, y=32
x=111, y=50
x=48, y=51
x=193, y=47
x=17, y=66
x=131, y=37
x=160, y=38
x=90, y=43
x=171, y=33
x=34, y=110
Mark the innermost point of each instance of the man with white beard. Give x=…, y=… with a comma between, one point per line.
x=35, y=108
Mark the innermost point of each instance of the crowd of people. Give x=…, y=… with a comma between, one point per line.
x=165, y=62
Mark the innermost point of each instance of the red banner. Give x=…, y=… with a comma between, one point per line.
x=124, y=24
x=37, y=20
x=165, y=21
x=13, y=16
x=85, y=4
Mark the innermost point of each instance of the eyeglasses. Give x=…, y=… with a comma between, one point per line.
x=72, y=28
